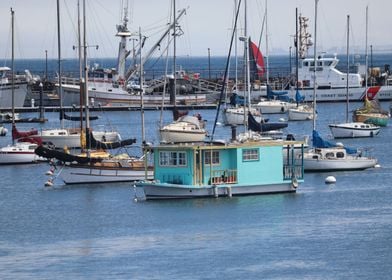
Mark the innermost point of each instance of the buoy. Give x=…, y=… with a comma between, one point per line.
x=282, y=120
x=49, y=183
x=377, y=166
x=294, y=183
x=330, y=180
x=49, y=172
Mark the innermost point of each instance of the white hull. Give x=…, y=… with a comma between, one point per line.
x=20, y=91
x=383, y=93
x=109, y=96
x=300, y=114
x=312, y=162
x=169, y=191
x=19, y=153
x=353, y=130
x=61, y=138
x=172, y=136
x=83, y=175
x=273, y=107
x=235, y=116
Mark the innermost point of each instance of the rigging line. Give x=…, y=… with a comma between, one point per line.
x=94, y=21
x=226, y=72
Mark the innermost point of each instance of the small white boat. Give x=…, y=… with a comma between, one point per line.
x=18, y=153
x=185, y=129
x=335, y=159
x=301, y=113
x=273, y=106
x=71, y=137
x=354, y=130
x=235, y=115
x=3, y=131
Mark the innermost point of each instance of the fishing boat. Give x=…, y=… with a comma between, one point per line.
x=94, y=164
x=352, y=129
x=19, y=87
x=371, y=113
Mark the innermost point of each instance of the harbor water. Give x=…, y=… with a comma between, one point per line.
x=336, y=231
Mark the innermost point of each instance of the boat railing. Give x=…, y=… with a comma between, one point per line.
x=227, y=176
x=292, y=171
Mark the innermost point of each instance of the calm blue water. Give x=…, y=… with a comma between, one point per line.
x=341, y=231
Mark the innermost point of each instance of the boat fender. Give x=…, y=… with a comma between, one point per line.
x=215, y=190
x=371, y=134
x=229, y=193
x=294, y=183
x=282, y=109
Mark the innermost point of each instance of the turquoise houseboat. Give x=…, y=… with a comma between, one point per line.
x=224, y=169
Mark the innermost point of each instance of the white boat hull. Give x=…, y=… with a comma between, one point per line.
x=19, y=153
x=20, y=92
x=235, y=116
x=273, y=107
x=172, y=136
x=61, y=140
x=171, y=191
x=109, y=96
x=83, y=175
x=353, y=130
x=300, y=114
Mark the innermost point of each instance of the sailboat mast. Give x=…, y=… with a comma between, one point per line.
x=174, y=52
x=315, y=65
x=366, y=52
x=59, y=64
x=248, y=86
x=141, y=86
x=296, y=50
x=81, y=89
x=348, y=64
x=12, y=71
x=266, y=41
x=85, y=71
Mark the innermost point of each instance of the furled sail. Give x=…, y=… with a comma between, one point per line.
x=256, y=59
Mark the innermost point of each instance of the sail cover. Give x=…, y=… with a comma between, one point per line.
x=319, y=142
x=256, y=61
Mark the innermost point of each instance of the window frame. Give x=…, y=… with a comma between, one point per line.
x=251, y=154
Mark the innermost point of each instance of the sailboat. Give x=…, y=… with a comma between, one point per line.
x=68, y=137
x=352, y=129
x=302, y=111
x=18, y=152
x=95, y=164
x=326, y=156
x=184, y=128
x=237, y=114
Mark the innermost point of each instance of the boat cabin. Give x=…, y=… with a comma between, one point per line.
x=327, y=75
x=246, y=164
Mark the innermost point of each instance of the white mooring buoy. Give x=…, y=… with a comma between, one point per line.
x=49, y=183
x=330, y=180
x=377, y=166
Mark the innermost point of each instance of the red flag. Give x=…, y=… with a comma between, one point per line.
x=258, y=58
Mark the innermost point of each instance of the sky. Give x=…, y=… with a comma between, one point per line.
x=206, y=25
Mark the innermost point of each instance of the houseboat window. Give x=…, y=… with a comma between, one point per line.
x=211, y=154
x=306, y=63
x=250, y=154
x=340, y=155
x=172, y=159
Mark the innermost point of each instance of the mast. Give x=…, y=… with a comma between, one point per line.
x=12, y=71
x=247, y=65
x=266, y=41
x=366, y=53
x=85, y=73
x=315, y=64
x=348, y=64
x=141, y=86
x=81, y=87
x=59, y=64
x=124, y=33
x=296, y=51
x=174, y=52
